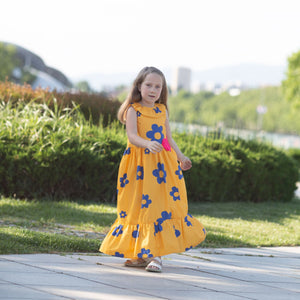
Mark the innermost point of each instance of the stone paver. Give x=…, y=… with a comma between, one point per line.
x=235, y=273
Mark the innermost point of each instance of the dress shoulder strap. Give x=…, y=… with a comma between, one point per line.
x=136, y=105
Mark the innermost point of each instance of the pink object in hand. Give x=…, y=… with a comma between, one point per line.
x=166, y=144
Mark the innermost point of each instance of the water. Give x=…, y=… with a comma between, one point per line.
x=284, y=141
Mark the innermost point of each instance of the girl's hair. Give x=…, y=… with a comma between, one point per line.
x=135, y=94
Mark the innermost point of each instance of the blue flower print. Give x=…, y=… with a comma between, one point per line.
x=177, y=232
x=188, y=223
x=190, y=216
x=179, y=172
x=140, y=173
x=124, y=180
x=147, y=151
x=157, y=228
x=118, y=230
x=157, y=110
x=160, y=173
x=119, y=254
x=123, y=214
x=204, y=231
x=138, y=114
x=165, y=216
x=187, y=249
x=127, y=151
x=146, y=201
x=156, y=133
x=135, y=233
x=145, y=252
x=175, y=193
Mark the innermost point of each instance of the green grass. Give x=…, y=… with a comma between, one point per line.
x=18, y=240
x=45, y=226
x=250, y=224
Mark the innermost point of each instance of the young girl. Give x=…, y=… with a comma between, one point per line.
x=152, y=208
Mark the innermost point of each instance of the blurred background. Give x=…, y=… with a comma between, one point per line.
x=224, y=61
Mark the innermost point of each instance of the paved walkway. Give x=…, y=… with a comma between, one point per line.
x=240, y=273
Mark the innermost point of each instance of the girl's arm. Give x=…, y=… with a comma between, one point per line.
x=185, y=162
x=134, y=138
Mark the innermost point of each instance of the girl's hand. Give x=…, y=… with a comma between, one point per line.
x=185, y=163
x=154, y=147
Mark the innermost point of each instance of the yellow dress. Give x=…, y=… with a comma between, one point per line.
x=152, y=207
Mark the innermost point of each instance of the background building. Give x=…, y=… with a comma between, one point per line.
x=182, y=80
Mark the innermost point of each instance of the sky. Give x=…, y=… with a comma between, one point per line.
x=81, y=37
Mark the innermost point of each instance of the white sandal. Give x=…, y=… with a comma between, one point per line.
x=155, y=265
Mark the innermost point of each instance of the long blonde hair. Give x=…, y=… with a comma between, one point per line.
x=135, y=94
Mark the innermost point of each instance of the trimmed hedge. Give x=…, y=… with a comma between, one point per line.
x=46, y=154
x=238, y=170
x=295, y=154
x=68, y=171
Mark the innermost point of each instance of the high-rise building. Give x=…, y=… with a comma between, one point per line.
x=182, y=80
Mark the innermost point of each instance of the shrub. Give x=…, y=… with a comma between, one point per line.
x=237, y=170
x=295, y=155
x=46, y=153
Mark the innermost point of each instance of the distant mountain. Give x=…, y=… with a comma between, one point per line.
x=249, y=74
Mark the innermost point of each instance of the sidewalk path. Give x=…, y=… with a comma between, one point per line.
x=235, y=273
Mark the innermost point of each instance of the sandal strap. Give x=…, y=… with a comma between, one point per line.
x=155, y=263
x=157, y=260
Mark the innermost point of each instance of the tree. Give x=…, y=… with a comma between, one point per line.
x=8, y=61
x=291, y=85
x=83, y=86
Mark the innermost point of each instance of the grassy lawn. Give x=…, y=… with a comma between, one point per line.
x=45, y=226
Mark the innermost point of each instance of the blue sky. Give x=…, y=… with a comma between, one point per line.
x=108, y=36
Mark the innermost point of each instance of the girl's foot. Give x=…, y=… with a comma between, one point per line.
x=137, y=262
x=155, y=265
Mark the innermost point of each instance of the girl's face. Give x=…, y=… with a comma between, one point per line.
x=151, y=89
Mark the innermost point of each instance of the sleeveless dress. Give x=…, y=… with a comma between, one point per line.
x=153, y=218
